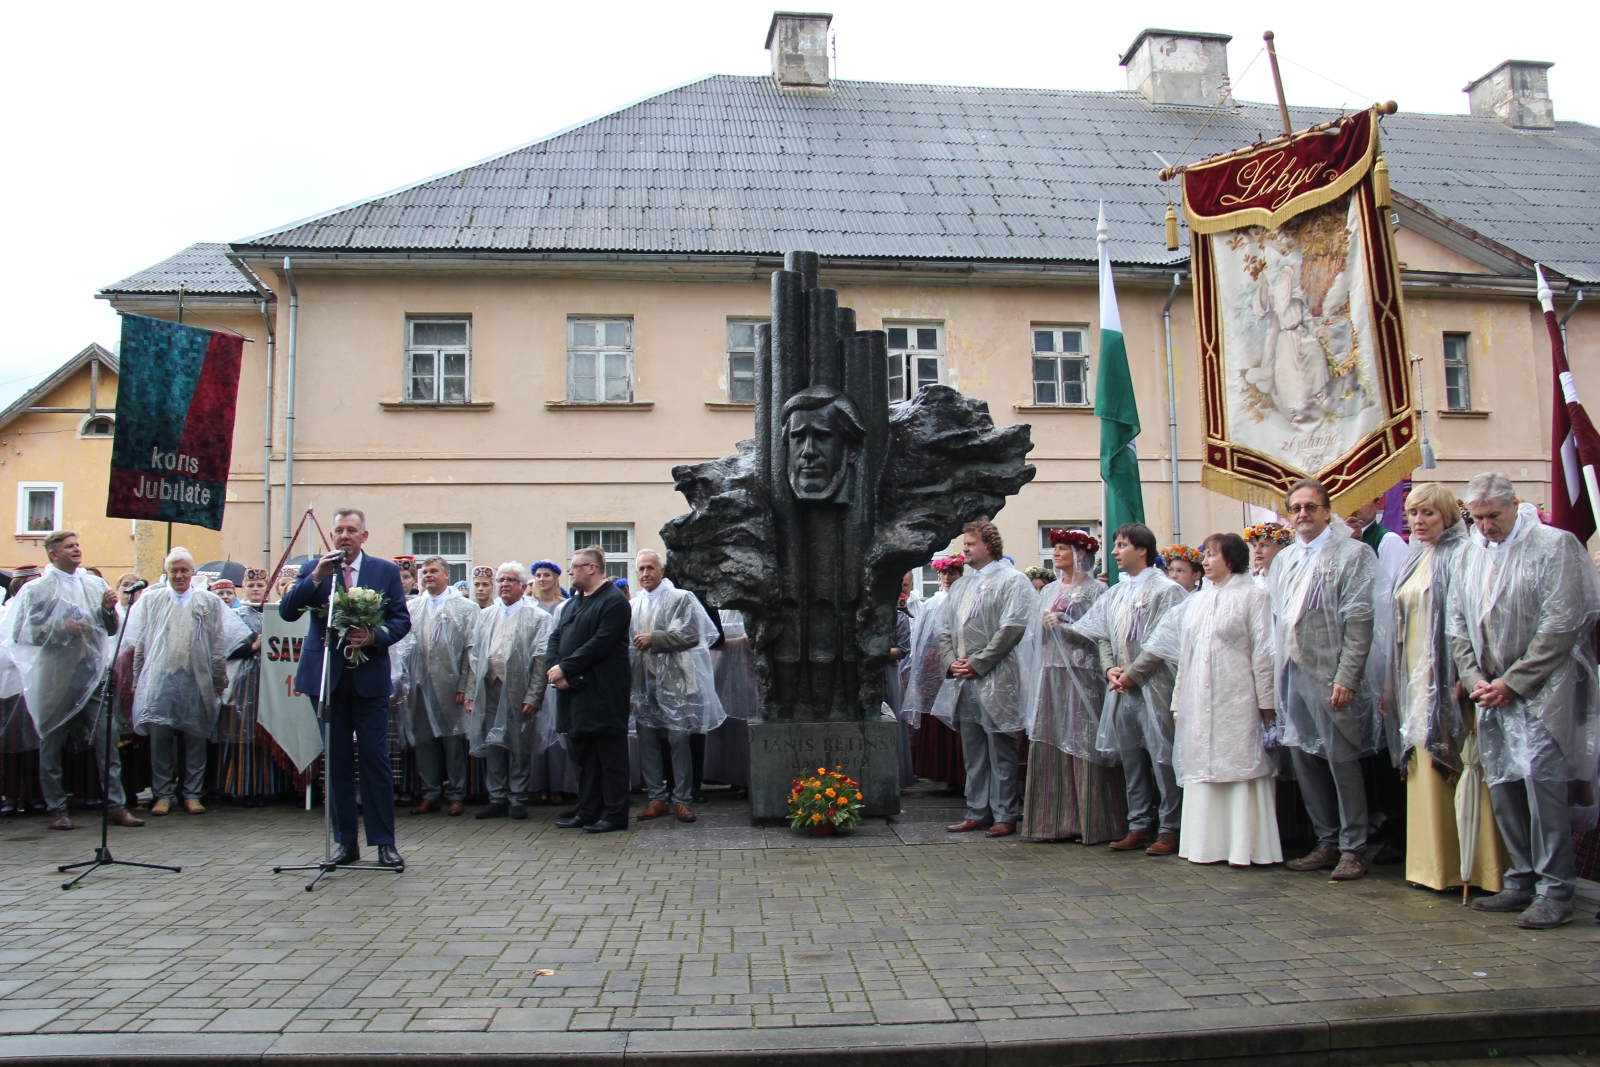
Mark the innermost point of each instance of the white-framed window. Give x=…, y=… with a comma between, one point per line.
x=1047, y=556
x=1457, y=380
x=438, y=360
x=38, y=507
x=615, y=540
x=454, y=543
x=927, y=580
x=916, y=357
x=1060, y=366
x=98, y=426
x=742, y=360
x=600, y=361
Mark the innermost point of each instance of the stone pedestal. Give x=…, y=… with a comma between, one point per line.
x=780, y=752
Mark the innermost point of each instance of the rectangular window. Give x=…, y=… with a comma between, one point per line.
x=438, y=361
x=916, y=357
x=454, y=543
x=742, y=360
x=615, y=541
x=1047, y=550
x=1060, y=366
x=38, y=507
x=1457, y=383
x=600, y=361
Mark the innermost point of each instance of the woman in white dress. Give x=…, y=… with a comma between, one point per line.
x=1222, y=699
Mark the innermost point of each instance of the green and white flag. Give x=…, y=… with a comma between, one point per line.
x=1117, y=410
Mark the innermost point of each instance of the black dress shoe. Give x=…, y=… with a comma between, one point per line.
x=493, y=811
x=603, y=826
x=347, y=855
x=566, y=813
x=570, y=824
x=389, y=856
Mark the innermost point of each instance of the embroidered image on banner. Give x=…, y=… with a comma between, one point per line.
x=1297, y=307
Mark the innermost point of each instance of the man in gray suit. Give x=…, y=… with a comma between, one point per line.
x=1324, y=599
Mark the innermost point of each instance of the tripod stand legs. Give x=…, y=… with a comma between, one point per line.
x=103, y=858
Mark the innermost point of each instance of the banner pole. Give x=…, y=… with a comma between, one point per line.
x=1277, y=81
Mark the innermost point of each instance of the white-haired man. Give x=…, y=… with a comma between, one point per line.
x=439, y=662
x=180, y=658
x=1521, y=622
x=674, y=691
x=507, y=687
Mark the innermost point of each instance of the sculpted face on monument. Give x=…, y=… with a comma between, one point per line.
x=823, y=434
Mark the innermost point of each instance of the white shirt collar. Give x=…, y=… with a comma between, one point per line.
x=65, y=576
x=1136, y=580
x=987, y=567
x=1310, y=549
x=652, y=595
x=355, y=569
x=508, y=610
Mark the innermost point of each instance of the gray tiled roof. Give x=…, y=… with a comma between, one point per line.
x=872, y=169
x=203, y=269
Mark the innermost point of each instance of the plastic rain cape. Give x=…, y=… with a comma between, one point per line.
x=241, y=625
x=510, y=645
x=977, y=607
x=1122, y=621
x=735, y=670
x=926, y=676
x=181, y=657
x=675, y=689
x=1312, y=603
x=1071, y=686
x=59, y=645
x=1542, y=583
x=438, y=660
x=1423, y=672
x=1225, y=676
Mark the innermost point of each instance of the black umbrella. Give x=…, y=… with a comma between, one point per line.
x=222, y=569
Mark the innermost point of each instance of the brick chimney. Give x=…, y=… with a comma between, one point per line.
x=798, y=41
x=1178, y=67
x=1517, y=92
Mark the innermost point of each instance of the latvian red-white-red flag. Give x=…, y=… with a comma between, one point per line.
x=1574, y=444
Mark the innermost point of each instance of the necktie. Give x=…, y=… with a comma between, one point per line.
x=349, y=576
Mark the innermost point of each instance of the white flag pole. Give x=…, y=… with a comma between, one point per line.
x=1547, y=303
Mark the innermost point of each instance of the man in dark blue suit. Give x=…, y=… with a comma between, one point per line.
x=358, y=696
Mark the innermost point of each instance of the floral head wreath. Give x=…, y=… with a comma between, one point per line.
x=1275, y=532
x=548, y=565
x=951, y=563
x=1172, y=553
x=1075, y=538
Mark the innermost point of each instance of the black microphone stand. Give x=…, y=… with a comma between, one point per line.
x=102, y=855
x=328, y=866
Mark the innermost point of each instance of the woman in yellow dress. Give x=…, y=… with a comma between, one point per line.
x=1429, y=700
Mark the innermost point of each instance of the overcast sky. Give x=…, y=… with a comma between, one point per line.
x=133, y=130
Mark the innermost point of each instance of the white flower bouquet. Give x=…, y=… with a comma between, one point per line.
x=357, y=606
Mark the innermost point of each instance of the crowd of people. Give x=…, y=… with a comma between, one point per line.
x=1442, y=694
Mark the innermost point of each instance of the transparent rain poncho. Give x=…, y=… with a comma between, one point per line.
x=241, y=625
x=59, y=645
x=1224, y=679
x=673, y=683
x=1120, y=623
x=1536, y=590
x=1421, y=697
x=1071, y=686
x=735, y=670
x=926, y=676
x=180, y=660
x=508, y=652
x=438, y=660
x=977, y=609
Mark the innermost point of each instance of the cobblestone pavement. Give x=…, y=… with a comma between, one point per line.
x=518, y=926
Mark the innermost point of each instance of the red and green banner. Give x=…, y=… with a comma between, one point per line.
x=1303, y=365
x=177, y=389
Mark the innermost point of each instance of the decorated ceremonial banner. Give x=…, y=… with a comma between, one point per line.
x=286, y=715
x=177, y=388
x=1302, y=349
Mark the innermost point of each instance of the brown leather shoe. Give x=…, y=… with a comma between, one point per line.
x=123, y=817
x=1000, y=829
x=193, y=806
x=683, y=813
x=1135, y=839
x=60, y=821
x=1166, y=845
x=965, y=826
x=456, y=808
x=654, y=810
x=161, y=806
x=1352, y=865
x=1318, y=859
x=425, y=807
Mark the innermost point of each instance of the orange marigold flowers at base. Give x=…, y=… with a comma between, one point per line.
x=831, y=797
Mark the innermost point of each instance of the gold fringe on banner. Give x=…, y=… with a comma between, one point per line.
x=1380, y=479
x=1380, y=184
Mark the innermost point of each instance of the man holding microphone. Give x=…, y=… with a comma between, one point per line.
x=358, y=696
